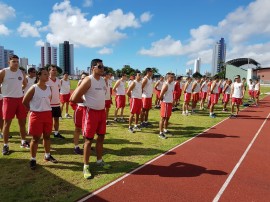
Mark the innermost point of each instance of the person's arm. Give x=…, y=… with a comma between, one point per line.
x=2, y=76
x=225, y=88
x=28, y=97
x=156, y=85
x=24, y=83
x=212, y=87
x=185, y=87
x=144, y=82
x=130, y=88
x=163, y=91
x=116, y=85
x=76, y=96
x=232, y=89
x=203, y=84
x=193, y=86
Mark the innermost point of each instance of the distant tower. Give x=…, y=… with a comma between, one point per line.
x=7, y=54
x=24, y=63
x=66, y=57
x=48, y=55
x=197, y=65
x=219, y=56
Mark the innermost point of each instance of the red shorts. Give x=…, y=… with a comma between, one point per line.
x=12, y=107
x=203, y=95
x=78, y=116
x=165, y=110
x=1, y=111
x=64, y=98
x=257, y=93
x=108, y=104
x=251, y=93
x=226, y=97
x=214, y=98
x=176, y=95
x=158, y=93
x=195, y=97
x=94, y=122
x=135, y=105
x=73, y=105
x=120, y=101
x=40, y=123
x=220, y=90
x=147, y=102
x=187, y=97
x=237, y=101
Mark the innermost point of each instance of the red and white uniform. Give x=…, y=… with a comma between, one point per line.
x=1, y=106
x=166, y=104
x=158, y=88
x=78, y=115
x=204, y=90
x=108, y=100
x=136, y=98
x=64, y=90
x=196, y=92
x=55, y=87
x=177, y=90
x=13, y=94
x=120, y=98
x=188, y=92
x=40, y=119
x=251, y=89
x=227, y=93
x=215, y=93
x=147, y=94
x=257, y=90
x=30, y=82
x=94, y=120
x=237, y=93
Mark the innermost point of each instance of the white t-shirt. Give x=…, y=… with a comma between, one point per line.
x=41, y=99
x=148, y=89
x=30, y=82
x=65, y=87
x=120, y=90
x=237, y=90
x=168, y=95
x=137, y=90
x=55, y=87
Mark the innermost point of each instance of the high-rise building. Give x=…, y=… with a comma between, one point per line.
x=219, y=56
x=7, y=54
x=66, y=57
x=2, y=58
x=48, y=55
x=197, y=65
x=24, y=62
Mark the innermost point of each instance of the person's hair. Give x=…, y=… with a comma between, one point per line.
x=31, y=69
x=94, y=62
x=148, y=69
x=66, y=73
x=137, y=72
x=216, y=77
x=39, y=72
x=51, y=66
x=84, y=73
x=13, y=57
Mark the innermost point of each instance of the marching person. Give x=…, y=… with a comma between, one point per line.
x=30, y=78
x=257, y=89
x=37, y=100
x=237, y=94
x=65, y=94
x=187, y=95
x=214, y=96
x=226, y=94
x=158, y=87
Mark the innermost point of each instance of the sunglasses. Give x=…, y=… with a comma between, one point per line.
x=99, y=66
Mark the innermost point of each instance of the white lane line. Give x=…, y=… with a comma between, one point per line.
x=126, y=175
x=221, y=191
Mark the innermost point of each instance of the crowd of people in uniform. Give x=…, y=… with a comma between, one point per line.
x=43, y=96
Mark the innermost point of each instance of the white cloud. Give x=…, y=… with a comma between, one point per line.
x=38, y=23
x=145, y=17
x=87, y=3
x=28, y=30
x=4, y=30
x=69, y=23
x=239, y=28
x=39, y=43
x=6, y=12
x=105, y=51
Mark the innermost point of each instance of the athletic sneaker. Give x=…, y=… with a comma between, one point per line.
x=233, y=116
x=130, y=130
x=33, y=164
x=86, y=173
x=108, y=123
x=148, y=124
x=143, y=125
x=5, y=150
x=122, y=120
x=25, y=145
x=68, y=116
x=116, y=120
x=212, y=116
x=162, y=136
x=51, y=159
x=58, y=135
x=79, y=151
x=167, y=132
x=137, y=128
x=104, y=165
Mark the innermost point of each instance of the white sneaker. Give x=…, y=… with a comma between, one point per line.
x=68, y=116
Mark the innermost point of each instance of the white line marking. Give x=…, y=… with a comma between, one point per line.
x=126, y=175
x=239, y=163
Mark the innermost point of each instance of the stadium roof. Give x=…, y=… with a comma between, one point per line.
x=243, y=61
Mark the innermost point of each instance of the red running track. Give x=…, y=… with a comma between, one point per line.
x=229, y=162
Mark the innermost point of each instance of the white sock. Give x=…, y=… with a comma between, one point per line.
x=165, y=130
x=33, y=158
x=85, y=166
x=47, y=155
x=55, y=132
x=211, y=113
x=99, y=161
x=6, y=145
x=76, y=146
x=22, y=141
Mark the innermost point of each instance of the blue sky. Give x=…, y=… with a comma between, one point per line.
x=168, y=35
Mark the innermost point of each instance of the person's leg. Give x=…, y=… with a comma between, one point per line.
x=7, y=123
x=87, y=151
x=34, y=146
x=77, y=133
x=166, y=123
x=237, y=109
x=56, y=123
x=116, y=113
x=22, y=123
x=61, y=108
x=146, y=115
x=232, y=108
x=136, y=119
x=161, y=124
x=130, y=120
x=1, y=124
x=142, y=115
x=122, y=112
x=67, y=104
x=99, y=146
x=47, y=142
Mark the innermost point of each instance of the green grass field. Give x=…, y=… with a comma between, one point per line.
x=124, y=151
